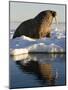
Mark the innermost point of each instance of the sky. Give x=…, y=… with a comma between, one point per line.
x=21, y=11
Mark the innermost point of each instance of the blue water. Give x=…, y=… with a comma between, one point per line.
x=37, y=70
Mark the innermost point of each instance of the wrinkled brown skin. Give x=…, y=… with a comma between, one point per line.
x=38, y=27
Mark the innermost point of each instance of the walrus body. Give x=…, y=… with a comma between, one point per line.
x=38, y=27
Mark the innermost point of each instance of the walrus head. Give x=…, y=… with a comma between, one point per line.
x=45, y=13
x=46, y=18
x=53, y=13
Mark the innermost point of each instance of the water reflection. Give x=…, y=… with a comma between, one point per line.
x=41, y=58
x=43, y=72
x=43, y=66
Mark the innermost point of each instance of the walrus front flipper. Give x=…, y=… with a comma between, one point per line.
x=48, y=35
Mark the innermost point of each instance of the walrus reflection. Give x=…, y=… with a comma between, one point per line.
x=43, y=72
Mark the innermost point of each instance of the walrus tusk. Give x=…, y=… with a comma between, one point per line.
x=56, y=20
x=56, y=23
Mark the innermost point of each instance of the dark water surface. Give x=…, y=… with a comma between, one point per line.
x=37, y=70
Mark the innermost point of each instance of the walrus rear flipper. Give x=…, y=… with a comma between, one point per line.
x=19, y=31
x=16, y=34
x=25, y=28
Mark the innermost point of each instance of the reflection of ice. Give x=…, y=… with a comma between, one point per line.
x=20, y=57
x=43, y=72
x=24, y=62
x=41, y=58
x=41, y=66
x=18, y=51
x=57, y=74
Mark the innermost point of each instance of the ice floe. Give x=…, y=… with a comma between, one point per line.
x=23, y=44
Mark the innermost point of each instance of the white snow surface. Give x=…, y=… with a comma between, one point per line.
x=23, y=44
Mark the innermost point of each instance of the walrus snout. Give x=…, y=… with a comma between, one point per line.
x=53, y=13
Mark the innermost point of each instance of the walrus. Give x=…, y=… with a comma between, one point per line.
x=37, y=27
